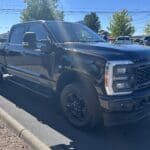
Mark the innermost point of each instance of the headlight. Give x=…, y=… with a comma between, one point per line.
x=120, y=70
x=119, y=77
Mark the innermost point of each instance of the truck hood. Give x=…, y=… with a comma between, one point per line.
x=110, y=51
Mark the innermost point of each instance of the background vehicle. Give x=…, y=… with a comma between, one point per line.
x=138, y=41
x=94, y=80
x=125, y=40
x=146, y=41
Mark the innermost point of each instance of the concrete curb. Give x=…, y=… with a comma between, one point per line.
x=22, y=132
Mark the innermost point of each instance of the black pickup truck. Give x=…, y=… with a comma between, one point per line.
x=95, y=81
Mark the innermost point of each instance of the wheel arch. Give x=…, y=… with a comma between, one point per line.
x=70, y=76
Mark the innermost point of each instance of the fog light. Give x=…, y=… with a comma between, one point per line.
x=122, y=85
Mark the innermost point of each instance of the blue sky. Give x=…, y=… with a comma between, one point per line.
x=139, y=20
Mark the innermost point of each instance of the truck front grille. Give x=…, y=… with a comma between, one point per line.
x=143, y=75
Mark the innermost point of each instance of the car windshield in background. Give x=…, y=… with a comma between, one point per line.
x=147, y=38
x=69, y=32
x=123, y=38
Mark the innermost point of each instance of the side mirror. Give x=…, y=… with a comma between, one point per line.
x=29, y=40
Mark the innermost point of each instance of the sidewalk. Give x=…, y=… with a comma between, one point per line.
x=9, y=141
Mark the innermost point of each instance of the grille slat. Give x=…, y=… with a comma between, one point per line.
x=143, y=75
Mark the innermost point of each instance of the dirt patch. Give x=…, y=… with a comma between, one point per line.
x=9, y=141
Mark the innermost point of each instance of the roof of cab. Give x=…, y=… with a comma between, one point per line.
x=44, y=21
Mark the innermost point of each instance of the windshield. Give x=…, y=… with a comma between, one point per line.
x=73, y=32
x=123, y=38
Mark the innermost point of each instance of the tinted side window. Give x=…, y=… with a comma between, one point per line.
x=40, y=31
x=123, y=38
x=18, y=33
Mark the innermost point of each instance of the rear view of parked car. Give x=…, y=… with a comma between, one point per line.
x=123, y=40
x=138, y=41
x=146, y=41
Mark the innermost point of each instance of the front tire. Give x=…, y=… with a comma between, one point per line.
x=80, y=105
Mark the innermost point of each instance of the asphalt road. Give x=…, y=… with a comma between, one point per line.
x=43, y=117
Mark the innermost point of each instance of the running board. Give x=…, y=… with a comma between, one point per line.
x=24, y=86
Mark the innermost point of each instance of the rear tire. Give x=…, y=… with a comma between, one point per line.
x=80, y=105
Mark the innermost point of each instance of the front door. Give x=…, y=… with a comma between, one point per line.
x=38, y=61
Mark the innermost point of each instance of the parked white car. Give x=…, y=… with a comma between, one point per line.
x=123, y=40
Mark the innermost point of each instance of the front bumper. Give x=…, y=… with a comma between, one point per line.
x=120, y=118
x=125, y=109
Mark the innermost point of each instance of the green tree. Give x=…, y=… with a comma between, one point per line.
x=147, y=29
x=121, y=24
x=42, y=10
x=92, y=21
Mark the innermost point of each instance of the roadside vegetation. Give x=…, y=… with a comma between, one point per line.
x=92, y=21
x=121, y=23
x=42, y=10
x=147, y=29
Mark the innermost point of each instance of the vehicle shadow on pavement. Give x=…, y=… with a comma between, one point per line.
x=129, y=137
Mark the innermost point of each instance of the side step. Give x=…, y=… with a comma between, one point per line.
x=35, y=88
